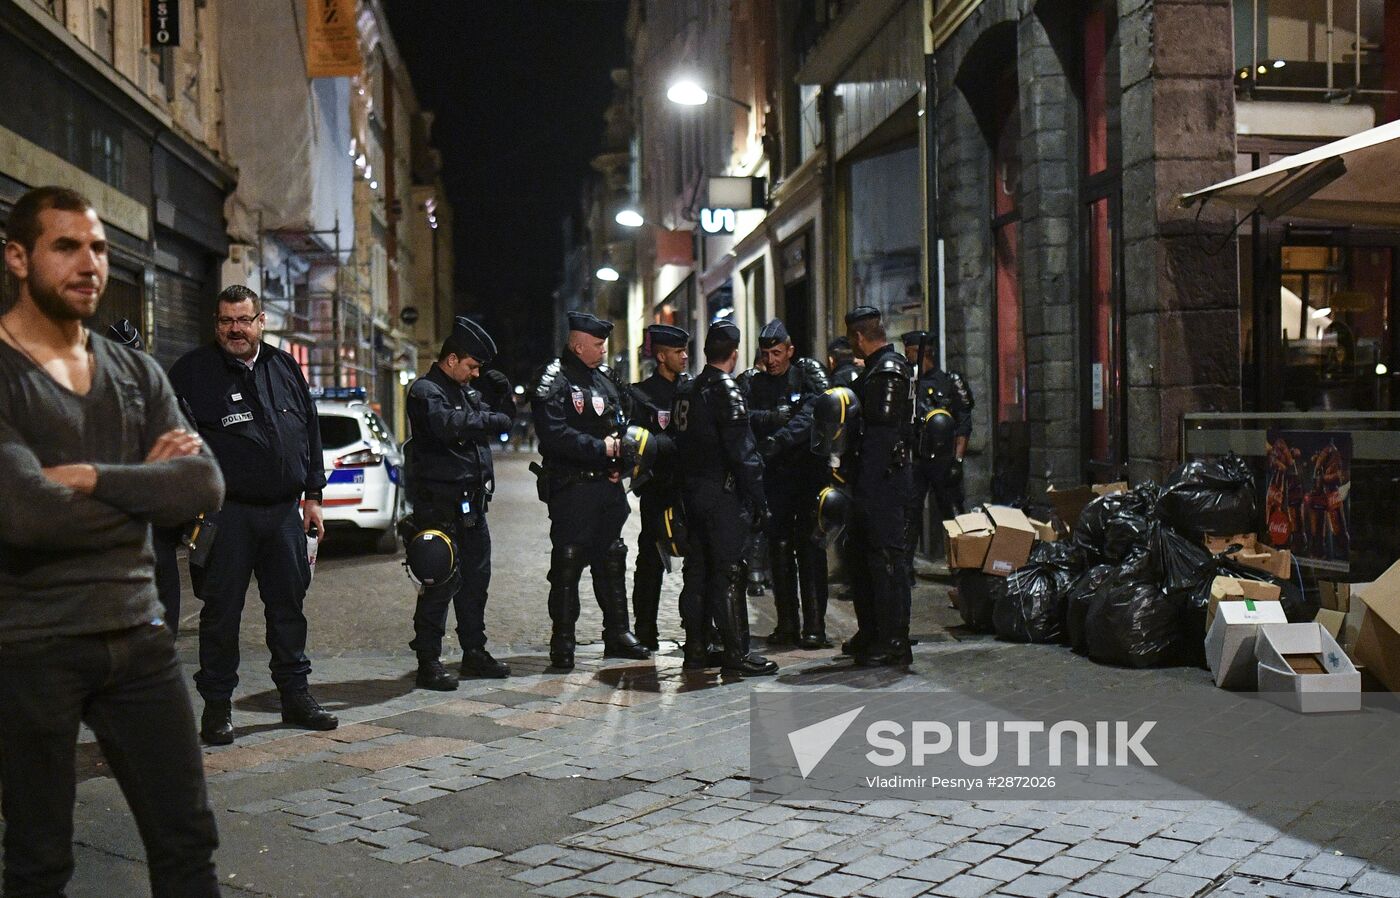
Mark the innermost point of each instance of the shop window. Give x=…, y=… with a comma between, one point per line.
x=1006, y=242
x=885, y=237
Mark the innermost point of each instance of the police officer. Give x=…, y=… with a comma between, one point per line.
x=883, y=479
x=252, y=406
x=578, y=412
x=841, y=362
x=722, y=487
x=937, y=389
x=451, y=478
x=652, y=409
x=792, y=476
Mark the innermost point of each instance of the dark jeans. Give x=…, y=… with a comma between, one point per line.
x=466, y=592
x=165, y=540
x=126, y=686
x=266, y=540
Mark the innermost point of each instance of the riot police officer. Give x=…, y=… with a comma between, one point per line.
x=651, y=408
x=841, y=362
x=883, y=479
x=792, y=476
x=939, y=472
x=722, y=488
x=451, y=477
x=578, y=412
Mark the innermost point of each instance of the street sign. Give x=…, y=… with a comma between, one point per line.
x=164, y=16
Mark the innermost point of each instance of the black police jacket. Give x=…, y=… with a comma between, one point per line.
x=845, y=374
x=885, y=389
x=452, y=432
x=261, y=422
x=947, y=390
x=654, y=395
x=575, y=407
x=774, y=399
x=710, y=423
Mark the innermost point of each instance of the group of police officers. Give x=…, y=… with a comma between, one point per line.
x=734, y=473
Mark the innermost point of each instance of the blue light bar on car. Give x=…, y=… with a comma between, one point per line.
x=338, y=394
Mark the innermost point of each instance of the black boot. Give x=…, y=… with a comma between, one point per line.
x=784, y=574
x=646, y=595
x=889, y=582
x=479, y=663
x=732, y=615
x=301, y=709
x=216, y=723
x=811, y=573
x=433, y=675
x=611, y=587
x=565, y=569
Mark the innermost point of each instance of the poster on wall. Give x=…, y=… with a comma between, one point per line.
x=332, y=39
x=1307, y=500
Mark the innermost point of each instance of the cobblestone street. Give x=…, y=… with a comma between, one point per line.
x=630, y=779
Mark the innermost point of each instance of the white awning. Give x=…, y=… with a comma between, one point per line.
x=1354, y=180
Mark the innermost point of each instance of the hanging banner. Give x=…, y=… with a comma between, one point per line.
x=332, y=39
x=164, y=16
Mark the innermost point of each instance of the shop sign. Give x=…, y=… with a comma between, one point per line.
x=332, y=39
x=717, y=221
x=165, y=23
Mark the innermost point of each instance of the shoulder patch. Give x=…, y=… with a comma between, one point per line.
x=547, y=380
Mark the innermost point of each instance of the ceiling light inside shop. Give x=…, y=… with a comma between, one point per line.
x=607, y=273
x=1263, y=69
x=629, y=218
x=1279, y=63
x=687, y=93
x=1381, y=369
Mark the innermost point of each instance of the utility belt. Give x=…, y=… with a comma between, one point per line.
x=723, y=479
x=551, y=478
x=467, y=502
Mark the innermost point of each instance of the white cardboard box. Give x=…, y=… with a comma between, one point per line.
x=1280, y=648
x=1230, y=640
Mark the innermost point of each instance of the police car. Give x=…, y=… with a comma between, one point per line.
x=363, y=463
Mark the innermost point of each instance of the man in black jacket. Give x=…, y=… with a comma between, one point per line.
x=252, y=406
x=451, y=478
x=651, y=408
x=942, y=475
x=578, y=411
x=722, y=484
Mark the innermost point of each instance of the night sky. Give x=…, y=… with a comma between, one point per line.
x=519, y=88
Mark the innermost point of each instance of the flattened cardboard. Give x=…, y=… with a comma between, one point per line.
x=1230, y=641
x=1012, y=539
x=1337, y=688
x=1233, y=589
x=1378, y=638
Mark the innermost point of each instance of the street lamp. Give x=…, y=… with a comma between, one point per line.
x=629, y=218
x=607, y=273
x=687, y=92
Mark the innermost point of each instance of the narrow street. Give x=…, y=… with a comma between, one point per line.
x=630, y=779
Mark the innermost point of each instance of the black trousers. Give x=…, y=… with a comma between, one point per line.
x=165, y=540
x=718, y=526
x=266, y=540
x=126, y=686
x=588, y=514
x=931, y=479
x=649, y=571
x=465, y=593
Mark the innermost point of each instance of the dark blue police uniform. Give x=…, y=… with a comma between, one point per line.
x=451, y=479
x=262, y=426
x=883, y=480
x=940, y=474
x=575, y=409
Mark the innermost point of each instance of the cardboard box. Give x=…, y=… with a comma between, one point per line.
x=1232, y=589
x=1044, y=530
x=1378, y=637
x=1274, y=562
x=1301, y=667
x=1230, y=641
x=1335, y=596
x=1068, y=503
x=1333, y=622
x=1012, y=539
x=966, y=540
x=1217, y=543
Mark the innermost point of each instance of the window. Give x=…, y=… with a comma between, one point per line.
x=885, y=237
x=338, y=431
x=1006, y=244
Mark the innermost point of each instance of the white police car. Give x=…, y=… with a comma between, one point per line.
x=363, y=463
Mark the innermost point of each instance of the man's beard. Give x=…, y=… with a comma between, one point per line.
x=49, y=300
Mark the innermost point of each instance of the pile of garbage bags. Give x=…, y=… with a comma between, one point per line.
x=1131, y=585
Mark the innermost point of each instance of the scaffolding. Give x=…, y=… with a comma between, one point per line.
x=312, y=302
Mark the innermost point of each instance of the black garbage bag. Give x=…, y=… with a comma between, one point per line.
x=975, y=600
x=1078, y=597
x=1216, y=496
x=1110, y=527
x=1132, y=620
x=1187, y=567
x=1029, y=605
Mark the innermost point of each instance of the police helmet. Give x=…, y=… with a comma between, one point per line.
x=834, y=511
x=674, y=541
x=938, y=434
x=430, y=558
x=640, y=451
x=835, y=413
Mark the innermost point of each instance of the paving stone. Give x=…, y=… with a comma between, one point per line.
x=536, y=876
x=756, y=890
x=307, y=795
x=417, y=796
x=1068, y=866
x=1166, y=849
x=1191, y=832
x=836, y=885
x=1197, y=864
x=358, y=732
x=459, y=783
x=1321, y=880
x=325, y=821
x=1003, y=835
x=334, y=835
x=805, y=873
x=536, y=855
x=777, y=858
x=1268, y=866
x=1035, y=850
x=666, y=875
x=911, y=849
x=1386, y=885
x=629, y=889
x=412, y=749
x=1107, y=885
x=266, y=806
x=895, y=888
x=316, y=808
x=1231, y=848
x=934, y=870
x=965, y=886
x=1290, y=846
x=615, y=872
x=971, y=852
x=391, y=838
x=876, y=866
x=1036, y=885
x=564, y=888
x=385, y=821
x=1066, y=833
x=1095, y=850
x=1176, y=885
x=583, y=860
x=1334, y=865
x=405, y=853
x=369, y=809
x=1001, y=869
x=706, y=884
x=1136, y=865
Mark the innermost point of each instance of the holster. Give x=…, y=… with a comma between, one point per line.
x=198, y=537
x=541, y=481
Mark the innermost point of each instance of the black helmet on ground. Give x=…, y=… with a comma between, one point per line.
x=835, y=414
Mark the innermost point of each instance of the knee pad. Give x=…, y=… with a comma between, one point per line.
x=617, y=549
x=568, y=561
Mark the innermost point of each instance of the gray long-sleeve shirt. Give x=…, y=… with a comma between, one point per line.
x=73, y=564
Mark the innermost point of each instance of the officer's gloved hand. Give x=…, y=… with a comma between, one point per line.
x=782, y=414
x=769, y=448
x=498, y=391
